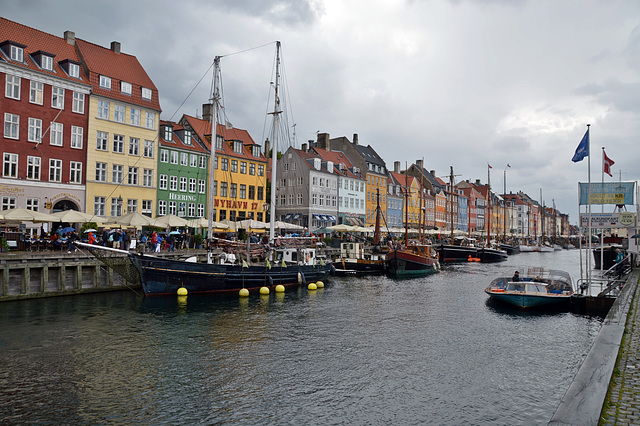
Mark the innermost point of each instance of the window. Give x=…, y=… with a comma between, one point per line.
x=299, y=199
x=243, y=191
x=74, y=70
x=134, y=146
x=105, y=82
x=132, y=205
x=174, y=157
x=215, y=188
x=202, y=185
x=164, y=156
x=103, y=110
x=218, y=142
x=118, y=144
x=101, y=172
x=125, y=87
x=116, y=206
x=192, y=210
x=237, y=147
x=173, y=183
x=223, y=189
x=234, y=166
x=55, y=170
x=162, y=207
x=57, y=97
x=148, y=149
x=168, y=133
x=99, y=206
x=134, y=117
x=46, y=62
x=183, y=184
x=76, y=172
x=17, y=54
x=10, y=168
x=233, y=191
x=35, y=129
x=224, y=165
x=102, y=141
x=12, y=87
x=33, y=204
x=36, y=92
x=193, y=160
x=146, y=207
x=117, y=171
x=243, y=167
x=172, y=207
x=200, y=212
x=163, y=182
x=133, y=176
x=192, y=185
x=252, y=192
x=261, y=170
x=55, y=132
x=252, y=169
x=255, y=151
x=187, y=137
x=118, y=113
x=184, y=158
x=78, y=103
x=286, y=167
x=147, y=178
x=33, y=168
x=260, y=193
x=146, y=93
x=150, y=120
x=291, y=199
x=77, y=134
x=8, y=203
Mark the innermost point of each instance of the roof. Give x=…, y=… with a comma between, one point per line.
x=34, y=41
x=119, y=67
x=337, y=158
x=178, y=142
x=370, y=155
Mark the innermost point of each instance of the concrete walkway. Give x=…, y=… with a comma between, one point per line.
x=602, y=376
x=622, y=405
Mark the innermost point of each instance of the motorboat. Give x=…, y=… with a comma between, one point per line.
x=536, y=288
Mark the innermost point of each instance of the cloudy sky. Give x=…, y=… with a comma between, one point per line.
x=461, y=83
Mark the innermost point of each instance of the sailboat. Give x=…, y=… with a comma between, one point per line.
x=223, y=273
x=486, y=253
x=415, y=259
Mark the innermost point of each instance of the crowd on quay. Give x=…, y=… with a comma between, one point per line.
x=147, y=241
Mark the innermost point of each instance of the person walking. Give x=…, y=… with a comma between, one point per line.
x=619, y=262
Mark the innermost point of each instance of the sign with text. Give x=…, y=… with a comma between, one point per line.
x=619, y=193
x=608, y=220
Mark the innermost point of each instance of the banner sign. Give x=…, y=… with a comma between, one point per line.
x=608, y=220
x=618, y=193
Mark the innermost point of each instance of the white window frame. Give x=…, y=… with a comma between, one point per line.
x=147, y=178
x=102, y=141
x=173, y=183
x=100, y=206
x=10, y=165
x=146, y=93
x=105, y=82
x=150, y=120
x=163, y=182
x=148, y=149
x=57, y=97
x=75, y=172
x=56, y=134
x=74, y=70
x=119, y=113
x=202, y=185
x=101, y=172
x=35, y=130
x=134, y=146
x=55, y=170
x=125, y=87
x=103, y=109
x=12, y=87
x=162, y=207
x=132, y=176
x=192, y=185
x=36, y=92
x=183, y=184
x=134, y=116
x=118, y=144
x=78, y=103
x=117, y=173
x=33, y=167
x=46, y=62
x=77, y=137
x=164, y=155
x=16, y=53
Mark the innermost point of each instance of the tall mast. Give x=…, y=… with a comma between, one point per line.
x=489, y=205
x=504, y=201
x=451, y=194
x=215, y=98
x=274, y=148
x=406, y=208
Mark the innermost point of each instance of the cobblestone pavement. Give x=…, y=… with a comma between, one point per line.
x=622, y=405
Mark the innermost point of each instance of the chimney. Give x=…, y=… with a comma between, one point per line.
x=115, y=46
x=396, y=166
x=305, y=147
x=267, y=147
x=207, y=112
x=433, y=173
x=355, y=139
x=324, y=141
x=478, y=182
x=419, y=165
x=70, y=37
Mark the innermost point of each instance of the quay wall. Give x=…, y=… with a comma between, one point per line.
x=583, y=402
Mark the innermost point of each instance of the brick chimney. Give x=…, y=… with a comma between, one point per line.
x=70, y=37
x=267, y=147
x=433, y=173
x=115, y=46
x=419, y=165
x=305, y=147
x=323, y=141
x=355, y=139
x=396, y=166
x=207, y=112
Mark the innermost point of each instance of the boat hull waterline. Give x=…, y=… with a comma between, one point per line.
x=402, y=263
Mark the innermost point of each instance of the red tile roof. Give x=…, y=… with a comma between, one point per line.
x=177, y=142
x=119, y=67
x=36, y=40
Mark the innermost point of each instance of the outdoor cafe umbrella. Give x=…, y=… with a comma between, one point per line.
x=202, y=222
x=342, y=228
x=285, y=225
x=73, y=216
x=252, y=224
x=132, y=219
x=170, y=220
x=26, y=215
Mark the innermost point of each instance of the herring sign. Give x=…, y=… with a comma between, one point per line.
x=619, y=193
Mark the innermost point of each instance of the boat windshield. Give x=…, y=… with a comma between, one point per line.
x=536, y=288
x=515, y=286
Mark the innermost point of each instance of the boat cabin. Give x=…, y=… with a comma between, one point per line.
x=298, y=256
x=350, y=250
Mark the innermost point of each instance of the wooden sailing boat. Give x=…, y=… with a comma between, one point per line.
x=486, y=253
x=162, y=276
x=412, y=259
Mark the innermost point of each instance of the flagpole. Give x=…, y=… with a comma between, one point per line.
x=602, y=230
x=588, y=257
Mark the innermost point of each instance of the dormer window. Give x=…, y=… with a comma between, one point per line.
x=255, y=151
x=125, y=87
x=70, y=67
x=218, y=142
x=17, y=53
x=187, y=137
x=146, y=93
x=168, y=133
x=237, y=147
x=105, y=82
x=74, y=70
x=46, y=62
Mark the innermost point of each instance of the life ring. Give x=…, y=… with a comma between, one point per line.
x=498, y=290
x=307, y=257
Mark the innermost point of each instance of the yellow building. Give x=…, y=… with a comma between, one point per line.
x=124, y=115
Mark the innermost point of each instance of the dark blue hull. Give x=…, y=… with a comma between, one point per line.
x=166, y=276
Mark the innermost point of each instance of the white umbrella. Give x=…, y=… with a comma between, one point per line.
x=22, y=215
x=202, y=222
x=285, y=225
x=170, y=220
x=342, y=228
x=73, y=216
x=132, y=219
x=252, y=224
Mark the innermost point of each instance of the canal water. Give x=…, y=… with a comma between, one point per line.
x=374, y=350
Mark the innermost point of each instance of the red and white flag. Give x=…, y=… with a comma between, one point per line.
x=608, y=162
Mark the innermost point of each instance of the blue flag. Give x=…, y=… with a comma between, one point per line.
x=583, y=149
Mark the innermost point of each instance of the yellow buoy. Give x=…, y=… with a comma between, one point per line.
x=312, y=286
x=244, y=292
x=320, y=284
x=279, y=288
x=264, y=290
x=182, y=291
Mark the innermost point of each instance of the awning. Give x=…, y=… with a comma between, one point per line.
x=324, y=217
x=296, y=216
x=287, y=216
x=331, y=218
x=315, y=216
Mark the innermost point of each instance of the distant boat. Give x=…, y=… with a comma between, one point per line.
x=488, y=255
x=450, y=253
x=510, y=249
x=414, y=260
x=538, y=287
x=357, y=259
x=527, y=249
